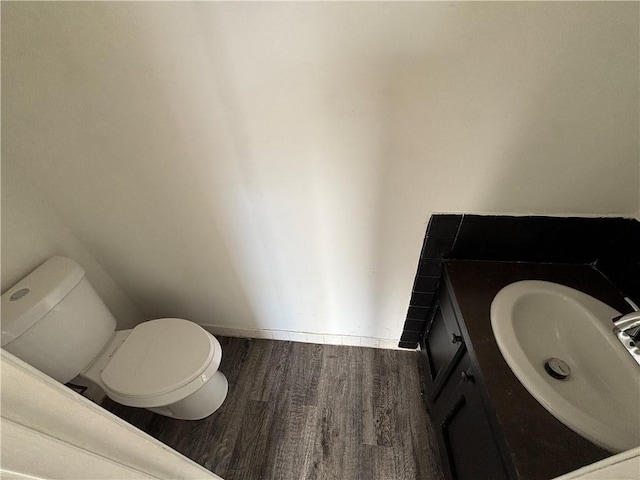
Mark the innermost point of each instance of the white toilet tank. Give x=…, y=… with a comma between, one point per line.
x=54, y=320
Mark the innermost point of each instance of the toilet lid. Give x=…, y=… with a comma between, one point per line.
x=159, y=356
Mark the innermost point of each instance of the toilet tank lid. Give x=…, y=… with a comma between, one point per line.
x=37, y=294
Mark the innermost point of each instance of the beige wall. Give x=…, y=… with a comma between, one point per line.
x=273, y=165
x=32, y=232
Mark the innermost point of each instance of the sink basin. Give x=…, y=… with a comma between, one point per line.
x=593, y=383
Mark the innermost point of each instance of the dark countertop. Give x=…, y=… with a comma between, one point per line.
x=539, y=445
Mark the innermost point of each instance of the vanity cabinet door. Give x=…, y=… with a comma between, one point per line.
x=463, y=430
x=442, y=344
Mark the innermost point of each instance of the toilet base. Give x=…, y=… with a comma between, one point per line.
x=200, y=404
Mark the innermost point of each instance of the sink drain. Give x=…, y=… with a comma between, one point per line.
x=557, y=368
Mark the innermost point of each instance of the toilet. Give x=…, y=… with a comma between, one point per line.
x=54, y=320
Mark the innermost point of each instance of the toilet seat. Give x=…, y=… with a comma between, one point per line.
x=162, y=361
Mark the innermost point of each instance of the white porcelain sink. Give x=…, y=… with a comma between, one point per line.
x=535, y=321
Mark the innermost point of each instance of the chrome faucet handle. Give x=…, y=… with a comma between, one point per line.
x=627, y=329
x=625, y=322
x=628, y=321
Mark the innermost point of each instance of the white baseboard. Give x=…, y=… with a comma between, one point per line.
x=326, y=339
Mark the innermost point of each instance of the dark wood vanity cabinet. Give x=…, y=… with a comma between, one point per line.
x=488, y=426
x=467, y=447
x=442, y=344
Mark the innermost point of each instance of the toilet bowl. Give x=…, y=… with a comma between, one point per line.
x=54, y=320
x=168, y=366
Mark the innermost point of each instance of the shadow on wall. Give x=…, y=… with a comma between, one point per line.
x=32, y=232
x=312, y=216
x=111, y=160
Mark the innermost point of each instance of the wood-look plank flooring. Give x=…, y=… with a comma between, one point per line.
x=305, y=411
